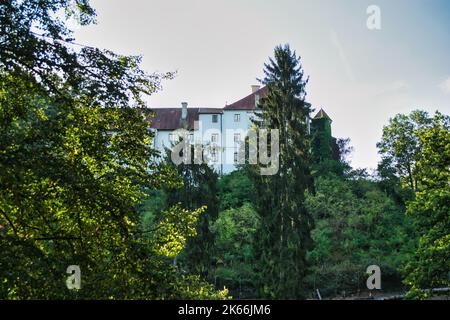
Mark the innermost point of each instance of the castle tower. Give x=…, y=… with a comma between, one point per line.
x=321, y=136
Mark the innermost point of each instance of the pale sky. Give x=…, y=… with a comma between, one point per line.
x=360, y=77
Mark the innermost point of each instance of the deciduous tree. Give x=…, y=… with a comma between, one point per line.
x=430, y=266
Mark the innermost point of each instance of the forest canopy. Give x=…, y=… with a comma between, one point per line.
x=81, y=184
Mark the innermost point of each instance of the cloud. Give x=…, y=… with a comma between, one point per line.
x=445, y=86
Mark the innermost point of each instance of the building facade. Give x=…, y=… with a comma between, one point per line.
x=221, y=131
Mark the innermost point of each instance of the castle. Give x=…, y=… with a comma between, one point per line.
x=221, y=128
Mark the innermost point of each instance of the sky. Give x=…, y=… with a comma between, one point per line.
x=361, y=77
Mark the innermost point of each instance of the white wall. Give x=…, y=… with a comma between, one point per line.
x=229, y=128
x=224, y=128
x=161, y=140
x=206, y=129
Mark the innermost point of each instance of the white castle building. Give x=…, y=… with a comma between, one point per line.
x=222, y=129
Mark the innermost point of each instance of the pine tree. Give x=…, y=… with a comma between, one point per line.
x=199, y=189
x=284, y=235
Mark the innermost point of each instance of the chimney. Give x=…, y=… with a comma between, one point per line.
x=255, y=88
x=184, y=110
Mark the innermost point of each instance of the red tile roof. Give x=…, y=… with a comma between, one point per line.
x=247, y=103
x=170, y=118
x=210, y=110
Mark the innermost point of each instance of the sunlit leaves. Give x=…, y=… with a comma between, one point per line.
x=175, y=225
x=400, y=146
x=75, y=161
x=430, y=266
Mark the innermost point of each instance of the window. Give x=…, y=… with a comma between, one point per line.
x=237, y=137
x=214, y=137
x=237, y=117
x=214, y=155
x=171, y=137
x=215, y=118
x=235, y=157
x=191, y=138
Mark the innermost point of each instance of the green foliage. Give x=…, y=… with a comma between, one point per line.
x=37, y=42
x=235, y=189
x=173, y=228
x=75, y=161
x=199, y=188
x=356, y=225
x=154, y=202
x=234, y=232
x=329, y=154
x=235, y=228
x=328, y=166
x=430, y=266
x=391, y=184
x=284, y=234
x=400, y=147
x=322, y=141
x=80, y=184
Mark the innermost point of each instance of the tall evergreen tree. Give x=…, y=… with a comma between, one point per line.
x=284, y=234
x=199, y=189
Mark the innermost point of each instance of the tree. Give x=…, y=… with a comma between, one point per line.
x=284, y=234
x=35, y=41
x=399, y=145
x=234, y=232
x=356, y=225
x=429, y=267
x=235, y=189
x=338, y=163
x=199, y=189
x=389, y=181
x=75, y=160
